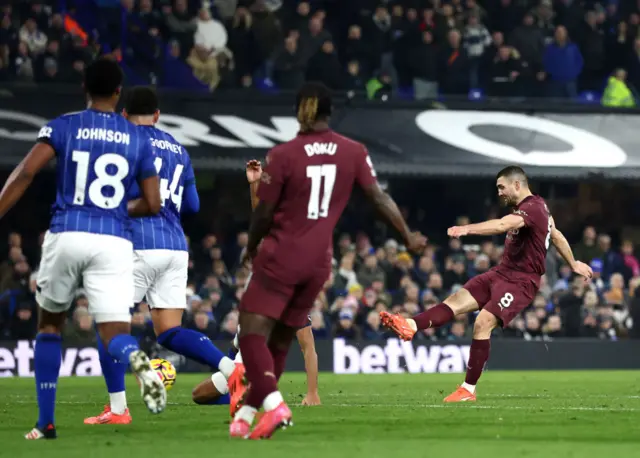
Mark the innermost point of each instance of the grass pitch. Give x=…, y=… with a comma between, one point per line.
x=519, y=414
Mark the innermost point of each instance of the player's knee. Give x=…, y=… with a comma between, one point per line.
x=485, y=323
x=461, y=302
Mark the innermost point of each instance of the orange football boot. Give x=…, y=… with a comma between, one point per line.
x=109, y=418
x=237, y=388
x=397, y=324
x=269, y=422
x=461, y=395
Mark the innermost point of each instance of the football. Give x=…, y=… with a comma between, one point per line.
x=166, y=371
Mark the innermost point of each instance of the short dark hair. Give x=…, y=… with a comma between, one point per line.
x=514, y=172
x=141, y=101
x=313, y=103
x=102, y=78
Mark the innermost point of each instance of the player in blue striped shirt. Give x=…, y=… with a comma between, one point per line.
x=99, y=156
x=161, y=258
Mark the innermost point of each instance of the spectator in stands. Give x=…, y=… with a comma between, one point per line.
x=56, y=30
x=379, y=87
x=591, y=42
x=312, y=38
x=476, y=40
x=357, y=50
x=345, y=328
x=205, y=66
x=618, y=46
x=529, y=41
x=446, y=22
x=505, y=74
x=34, y=38
x=325, y=67
x=210, y=35
x=182, y=25
x=242, y=43
x=454, y=62
x=81, y=328
x=50, y=69
x=354, y=80
x=563, y=63
x=289, y=66
x=225, y=8
x=587, y=248
x=617, y=93
x=423, y=65
x=266, y=30
x=23, y=64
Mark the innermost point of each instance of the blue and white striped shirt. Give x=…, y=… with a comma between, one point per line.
x=164, y=230
x=100, y=155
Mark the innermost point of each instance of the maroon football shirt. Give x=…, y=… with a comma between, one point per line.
x=310, y=179
x=525, y=249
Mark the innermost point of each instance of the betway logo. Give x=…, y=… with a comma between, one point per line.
x=397, y=357
x=17, y=361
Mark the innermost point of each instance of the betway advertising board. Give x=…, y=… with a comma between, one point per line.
x=404, y=140
x=376, y=357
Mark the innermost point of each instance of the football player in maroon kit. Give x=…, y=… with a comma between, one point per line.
x=303, y=190
x=506, y=290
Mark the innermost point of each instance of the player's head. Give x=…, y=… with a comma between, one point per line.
x=313, y=104
x=141, y=106
x=512, y=184
x=103, y=81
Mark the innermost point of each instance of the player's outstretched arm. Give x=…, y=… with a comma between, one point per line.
x=387, y=207
x=261, y=221
x=490, y=227
x=23, y=175
x=308, y=347
x=562, y=245
x=149, y=204
x=254, y=172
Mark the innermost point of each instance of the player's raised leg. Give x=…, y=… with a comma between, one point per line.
x=462, y=301
x=116, y=412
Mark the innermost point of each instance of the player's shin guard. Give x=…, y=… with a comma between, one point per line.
x=259, y=369
x=47, y=361
x=114, y=373
x=195, y=345
x=434, y=317
x=478, y=356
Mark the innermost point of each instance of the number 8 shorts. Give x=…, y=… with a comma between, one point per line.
x=504, y=297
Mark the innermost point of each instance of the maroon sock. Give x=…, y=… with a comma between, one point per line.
x=279, y=360
x=478, y=357
x=260, y=373
x=434, y=317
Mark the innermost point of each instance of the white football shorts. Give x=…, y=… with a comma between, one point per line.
x=161, y=276
x=101, y=264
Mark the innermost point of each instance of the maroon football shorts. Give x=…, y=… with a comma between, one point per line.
x=502, y=296
x=289, y=304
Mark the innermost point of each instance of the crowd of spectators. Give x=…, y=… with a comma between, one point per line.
x=507, y=48
x=364, y=281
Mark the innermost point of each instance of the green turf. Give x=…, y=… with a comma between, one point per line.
x=519, y=414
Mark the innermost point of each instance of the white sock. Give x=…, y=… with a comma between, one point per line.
x=118, y=402
x=220, y=382
x=238, y=358
x=412, y=324
x=246, y=413
x=272, y=401
x=470, y=388
x=226, y=366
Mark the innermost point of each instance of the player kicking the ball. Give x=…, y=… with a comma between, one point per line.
x=506, y=290
x=303, y=190
x=100, y=156
x=160, y=257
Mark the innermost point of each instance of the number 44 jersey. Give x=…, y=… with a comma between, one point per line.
x=100, y=155
x=310, y=180
x=164, y=230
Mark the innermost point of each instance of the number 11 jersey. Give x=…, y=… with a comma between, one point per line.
x=100, y=155
x=310, y=180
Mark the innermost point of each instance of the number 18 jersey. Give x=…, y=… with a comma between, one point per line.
x=164, y=230
x=100, y=155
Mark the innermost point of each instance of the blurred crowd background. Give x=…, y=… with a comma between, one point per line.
x=372, y=272
x=581, y=49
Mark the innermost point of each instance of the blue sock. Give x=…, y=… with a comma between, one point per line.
x=192, y=344
x=121, y=346
x=221, y=401
x=112, y=370
x=47, y=361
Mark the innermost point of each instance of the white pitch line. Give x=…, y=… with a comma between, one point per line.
x=492, y=396
x=473, y=406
